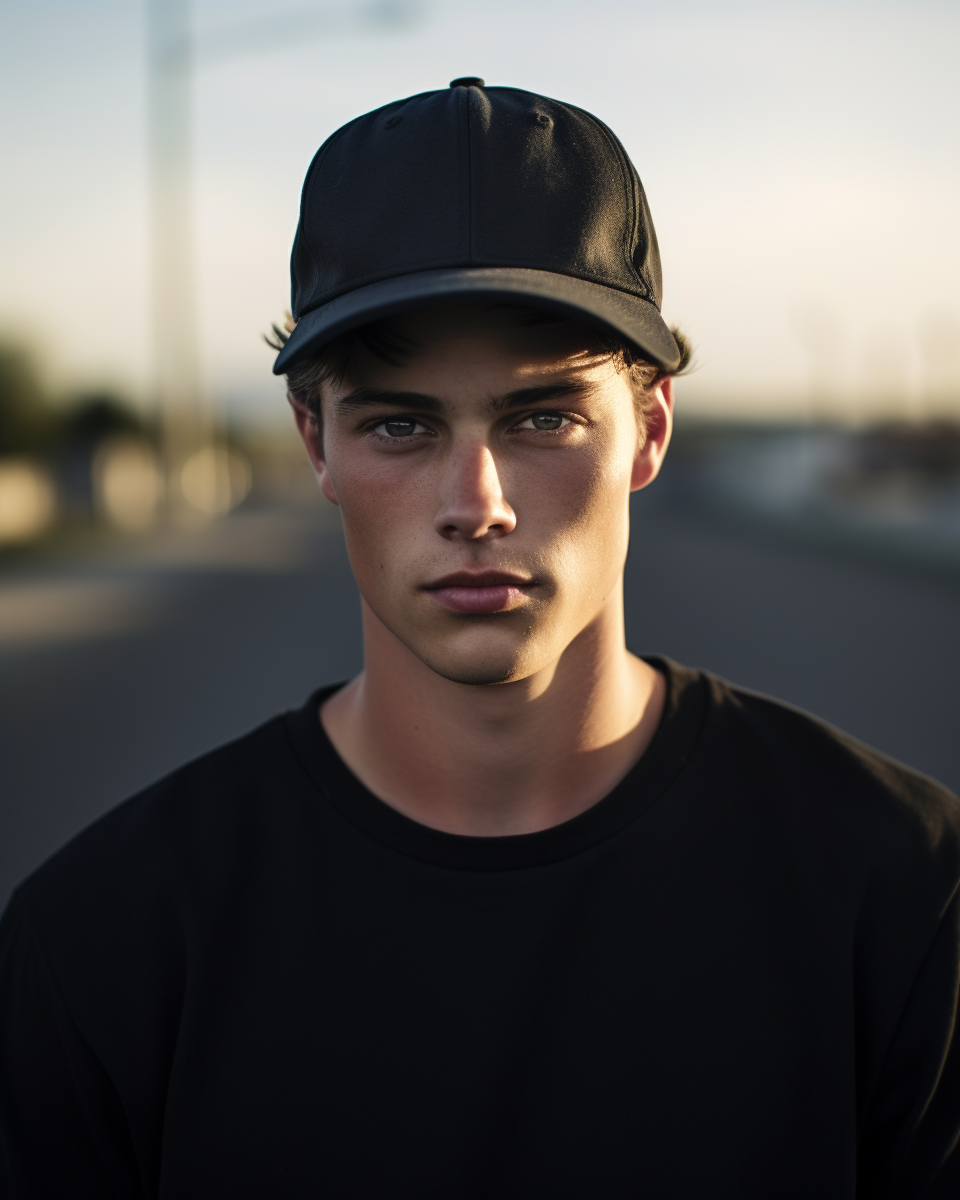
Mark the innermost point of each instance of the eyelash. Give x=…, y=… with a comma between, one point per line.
x=571, y=419
x=372, y=429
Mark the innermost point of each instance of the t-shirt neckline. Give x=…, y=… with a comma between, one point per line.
x=669, y=752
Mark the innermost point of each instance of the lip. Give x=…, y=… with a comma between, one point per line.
x=479, y=592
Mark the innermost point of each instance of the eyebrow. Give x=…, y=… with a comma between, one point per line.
x=367, y=397
x=564, y=390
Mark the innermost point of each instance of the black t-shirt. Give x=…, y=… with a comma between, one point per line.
x=735, y=976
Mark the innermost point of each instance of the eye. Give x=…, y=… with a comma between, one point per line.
x=545, y=422
x=399, y=427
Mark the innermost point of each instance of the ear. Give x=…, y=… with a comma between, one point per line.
x=309, y=429
x=650, y=454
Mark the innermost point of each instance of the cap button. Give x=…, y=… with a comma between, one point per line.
x=468, y=81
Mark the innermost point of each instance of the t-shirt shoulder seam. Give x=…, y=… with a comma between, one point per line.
x=845, y=740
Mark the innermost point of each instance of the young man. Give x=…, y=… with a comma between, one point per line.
x=514, y=913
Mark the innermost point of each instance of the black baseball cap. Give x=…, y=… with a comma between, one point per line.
x=475, y=192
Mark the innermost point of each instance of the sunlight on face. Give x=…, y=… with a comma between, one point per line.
x=484, y=486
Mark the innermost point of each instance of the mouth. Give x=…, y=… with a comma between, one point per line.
x=480, y=592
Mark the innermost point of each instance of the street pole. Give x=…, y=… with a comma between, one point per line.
x=186, y=426
x=186, y=414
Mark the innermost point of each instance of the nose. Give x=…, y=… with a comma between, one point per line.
x=472, y=504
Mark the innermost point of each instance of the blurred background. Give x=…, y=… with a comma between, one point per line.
x=169, y=576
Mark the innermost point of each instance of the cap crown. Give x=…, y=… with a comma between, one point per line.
x=472, y=177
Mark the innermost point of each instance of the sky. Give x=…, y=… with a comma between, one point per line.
x=800, y=158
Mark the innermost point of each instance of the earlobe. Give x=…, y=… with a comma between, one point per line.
x=326, y=485
x=650, y=455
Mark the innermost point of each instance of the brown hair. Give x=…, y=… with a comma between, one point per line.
x=306, y=377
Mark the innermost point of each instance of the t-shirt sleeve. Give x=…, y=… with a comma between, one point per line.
x=62, y=1130
x=911, y=1146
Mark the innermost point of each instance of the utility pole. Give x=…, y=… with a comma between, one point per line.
x=185, y=421
x=186, y=413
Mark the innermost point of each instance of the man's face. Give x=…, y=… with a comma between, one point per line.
x=484, y=486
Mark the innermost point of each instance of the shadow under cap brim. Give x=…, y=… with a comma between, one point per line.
x=635, y=321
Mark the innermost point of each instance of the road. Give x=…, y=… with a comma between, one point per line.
x=116, y=668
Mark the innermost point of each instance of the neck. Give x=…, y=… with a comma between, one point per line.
x=500, y=759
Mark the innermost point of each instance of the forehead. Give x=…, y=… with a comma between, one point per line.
x=490, y=346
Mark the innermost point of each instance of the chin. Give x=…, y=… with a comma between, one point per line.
x=479, y=667
x=480, y=653
x=477, y=674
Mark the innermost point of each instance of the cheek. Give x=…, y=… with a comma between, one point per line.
x=577, y=492
x=384, y=510
x=575, y=511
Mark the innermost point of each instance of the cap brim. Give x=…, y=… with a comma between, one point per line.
x=637, y=322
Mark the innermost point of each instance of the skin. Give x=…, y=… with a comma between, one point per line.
x=501, y=443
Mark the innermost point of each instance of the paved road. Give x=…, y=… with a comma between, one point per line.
x=114, y=671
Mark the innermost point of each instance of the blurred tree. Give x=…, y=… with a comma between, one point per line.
x=91, y=417
x=87, y=421
x=26, y=421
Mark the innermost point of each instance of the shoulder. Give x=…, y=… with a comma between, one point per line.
x=163, y=841
x=826, y=789
x=786, y=739
x=129, y=904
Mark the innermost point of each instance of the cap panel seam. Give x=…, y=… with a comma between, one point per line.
x=627, y=176
x=471, y=198
x=462, y=97
x=315, y=164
